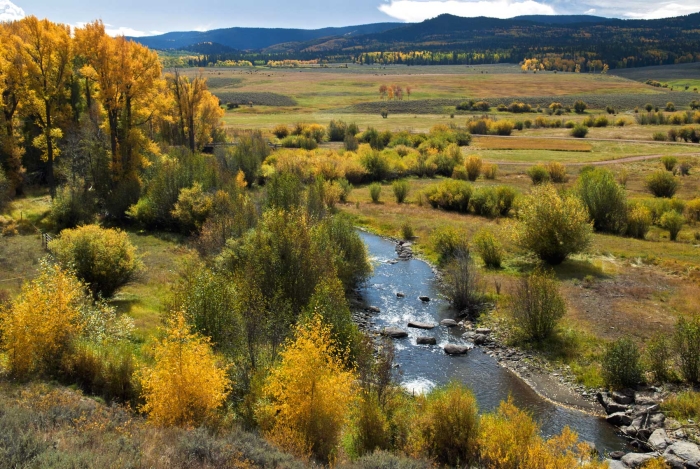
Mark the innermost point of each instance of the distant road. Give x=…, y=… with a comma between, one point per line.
x=620, y=140
x=627, y=159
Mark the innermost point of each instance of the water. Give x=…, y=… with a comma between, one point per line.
x=422, y=367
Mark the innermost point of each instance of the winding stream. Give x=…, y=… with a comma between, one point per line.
x=423, y=367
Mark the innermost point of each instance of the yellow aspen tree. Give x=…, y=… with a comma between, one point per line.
x=41, y=322
x=309, y=394
x=48, y=54
x=12, y=92
x=186, y=385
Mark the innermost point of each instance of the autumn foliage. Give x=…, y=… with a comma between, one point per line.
x=185, y=385
x=309, y=394
x=40, y=323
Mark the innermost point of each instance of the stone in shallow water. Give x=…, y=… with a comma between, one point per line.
x=394, y=332
x=373, y=309
x=426, y=340
x=421, y=325
x=400, y=295
x=454, y=349
x=448, y=323
x=424, y=298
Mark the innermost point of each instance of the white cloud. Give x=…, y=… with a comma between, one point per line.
x=666, y=10
x=9, y=11
x=124, y=31
x=589, y=12
x=415, y=11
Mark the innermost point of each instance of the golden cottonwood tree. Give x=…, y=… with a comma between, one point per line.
x=128, y=87
x=48, y=54
x=41, y=322
x=198, y=111
x=12, y=80
x=309, y=394
x=185, y=385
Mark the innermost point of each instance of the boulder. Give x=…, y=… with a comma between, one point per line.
x=448, y=323
x=424, y=298
x=646, y=399
x=400, y=295
x=454, y=349
x=614, y=407
x=619, y=419
x=685, y=450
x=617, y=454
x=615, y=464
x=373, y=309
x=483, y=330
x=622, y=398
x=421, y=325
x=658, y=440
x=674, y=462
x=426, y=341
x=394, y=332
x=636, y=460
x=479, y=339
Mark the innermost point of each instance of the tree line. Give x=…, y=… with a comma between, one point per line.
x=78, y=102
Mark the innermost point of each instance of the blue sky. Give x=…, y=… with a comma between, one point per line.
x=146, y=17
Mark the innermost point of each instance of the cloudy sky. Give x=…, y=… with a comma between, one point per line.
x=146, y=17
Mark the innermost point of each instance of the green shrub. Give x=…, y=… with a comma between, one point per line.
x=658, y=356
x=336, y=131
x=448, y=425
x=490, y=171
x=375, y=191
x=489, y=248
x=506, y=197
x=621, y=366
x=462, y=283
x=673, y=222
x=669, y=162
x=70, y=208
x=473, y=166
x=536, y=305
x=557, y=172
x=370, y=429
x=104, y=258
x=670, y=107
x=661, y=137
x=552, y=226
x=447, y=242
x=538, y=174
x=604, y=199
x=692, y=210
x=400, y=189
x=6, y=190
x=351, y=142
x=450, y=195
x=345, y=189
x=662, y=184
x=579, y=131
x=375, y=163
x=484, y=202
x=686, y=343
x=192, y=208
x=502, y=127
x=280, y=131
x=638, y=221
x=601, y=121
x=406, y=231
x=580, y=107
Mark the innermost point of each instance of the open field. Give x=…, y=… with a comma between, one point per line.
x=356, y=88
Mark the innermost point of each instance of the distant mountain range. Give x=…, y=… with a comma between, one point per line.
x=619, y=43
x=256, y=38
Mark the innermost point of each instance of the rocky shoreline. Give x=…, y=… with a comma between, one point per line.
x=636, y=413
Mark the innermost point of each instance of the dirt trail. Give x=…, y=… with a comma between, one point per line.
x=617, y=140
x=627, y=159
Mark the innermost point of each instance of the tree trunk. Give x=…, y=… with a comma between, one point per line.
x=49, y=152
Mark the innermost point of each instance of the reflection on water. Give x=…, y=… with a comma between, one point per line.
x=424, y=366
